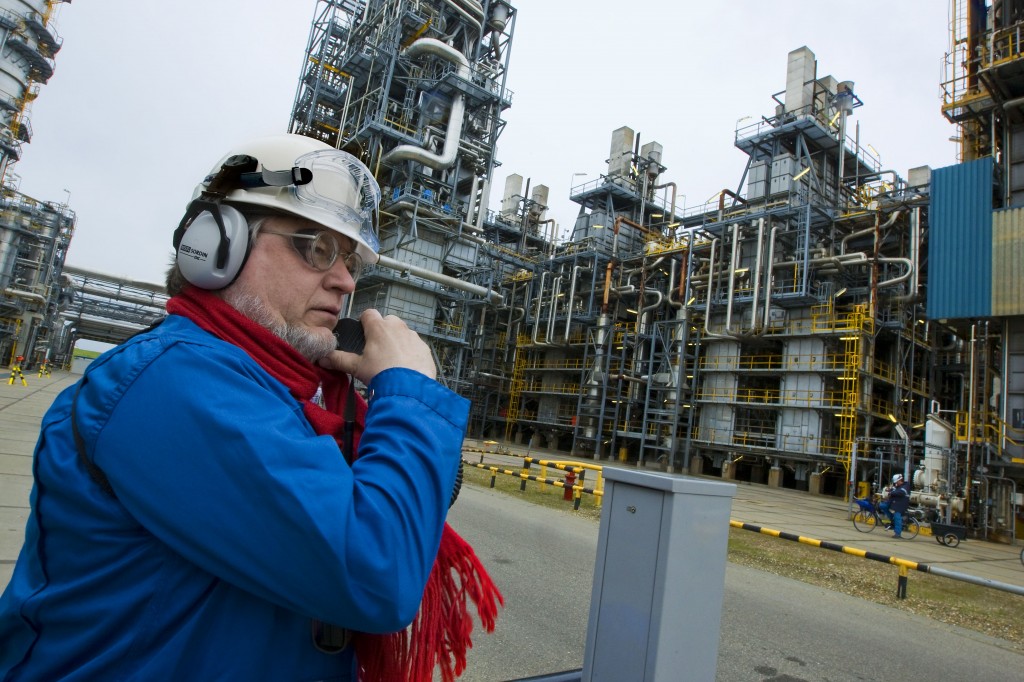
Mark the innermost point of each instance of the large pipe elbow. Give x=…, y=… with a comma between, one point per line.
x=453, y=135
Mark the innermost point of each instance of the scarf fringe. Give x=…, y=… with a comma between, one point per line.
x=441, y=633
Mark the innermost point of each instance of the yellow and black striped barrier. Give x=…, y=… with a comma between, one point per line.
x=577, y=469
x=498, y=451
x=577, y=490
x=573, y=471
x=904, y=565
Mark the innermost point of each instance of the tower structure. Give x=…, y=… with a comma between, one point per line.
x=416, y=90
x=807, y=289
x=30, y=45
x=775, y=333
x=34, y=234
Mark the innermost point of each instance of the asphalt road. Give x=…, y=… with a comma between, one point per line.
x=773, y=629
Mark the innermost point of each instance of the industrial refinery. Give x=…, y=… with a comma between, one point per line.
x=822, y=323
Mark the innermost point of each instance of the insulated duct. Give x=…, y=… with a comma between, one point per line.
x=408, y=152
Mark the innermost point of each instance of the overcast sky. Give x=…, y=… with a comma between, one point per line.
x=147, y=96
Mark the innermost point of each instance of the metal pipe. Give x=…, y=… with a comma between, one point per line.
x=866, y=231
x=684, y=273
x=970, y=422
x=675, y=265
x=536, y=314
x=672, y=210
x=631, y=289
x=106, y=321
x=721, y=201
x=409, y=152
x=842, y=156
x=344, y=111
x=474, y=205
x=901, y=278
x=757, y=274
x=807, y=253
x=155, y=300
x=915, y=249
x=464, y=7
x=607, y=286
x=615, y=238
x=572, y=295
x=512, y=308
x=448, y=281
x=768, y=278
x=25, y=295
x=124, y=281
x=915, y=243
x=659, y=299
x=733, y=264
x=707, y=312
x=551, y=233
x=416, y=208
x=555, y=290
x=856, y=258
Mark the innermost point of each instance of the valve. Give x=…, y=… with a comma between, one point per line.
x=570, y=481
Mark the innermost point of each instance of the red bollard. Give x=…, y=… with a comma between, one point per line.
x=570, y=481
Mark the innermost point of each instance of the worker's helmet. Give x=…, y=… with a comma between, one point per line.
x=290, y=174
x=897, y=478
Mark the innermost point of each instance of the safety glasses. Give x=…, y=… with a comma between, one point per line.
x=321, y=249
x=339, y=184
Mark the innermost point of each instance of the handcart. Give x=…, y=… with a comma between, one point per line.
x=948, y=534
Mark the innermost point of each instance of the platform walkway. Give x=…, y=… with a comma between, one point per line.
x=819, y=517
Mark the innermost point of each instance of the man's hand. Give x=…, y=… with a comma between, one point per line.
x=389, y=343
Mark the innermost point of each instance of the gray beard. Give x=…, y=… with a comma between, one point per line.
x=311, y=345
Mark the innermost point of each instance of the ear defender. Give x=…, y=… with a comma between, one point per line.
x=214, y=246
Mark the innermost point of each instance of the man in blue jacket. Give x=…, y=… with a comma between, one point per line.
x=899, y=503
x=213, y=500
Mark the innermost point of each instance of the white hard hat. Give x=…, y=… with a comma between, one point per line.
x=897, y=477
x=298, y=175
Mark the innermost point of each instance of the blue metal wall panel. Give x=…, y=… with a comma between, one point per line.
x=960, y=241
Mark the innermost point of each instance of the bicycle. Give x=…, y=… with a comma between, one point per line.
x=868, y=517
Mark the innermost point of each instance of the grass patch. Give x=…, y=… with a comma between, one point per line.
x=973, y=607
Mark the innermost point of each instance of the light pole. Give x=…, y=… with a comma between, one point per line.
x=906, y=450
x=574, y=176
x=902, y=433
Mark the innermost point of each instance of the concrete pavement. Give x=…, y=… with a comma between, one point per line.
x=819, y=517
x=21, y=411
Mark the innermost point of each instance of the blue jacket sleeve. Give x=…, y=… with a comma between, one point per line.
x=215, y=459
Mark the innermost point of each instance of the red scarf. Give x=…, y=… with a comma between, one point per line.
x=440, y=634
